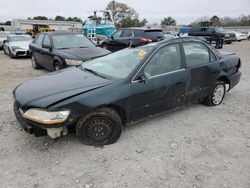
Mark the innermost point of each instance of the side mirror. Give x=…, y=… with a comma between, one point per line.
x=47, y=47
x=142, y=78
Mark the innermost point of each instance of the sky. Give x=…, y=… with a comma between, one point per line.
x=183, y=11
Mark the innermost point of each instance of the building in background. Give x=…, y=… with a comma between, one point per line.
x=22, y=25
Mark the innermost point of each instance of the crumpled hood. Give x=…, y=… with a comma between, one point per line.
x=48, y=89
x=83, y=53
x=21, y=44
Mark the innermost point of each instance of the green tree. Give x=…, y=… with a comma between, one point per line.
x=168, y=21
x=40, y=18
x=76, y=19
x=216, y=20
x=69, y=19
x=122, y=15
x=59, y=18
x=128, y=22
x=7, y=23
x=120, y=12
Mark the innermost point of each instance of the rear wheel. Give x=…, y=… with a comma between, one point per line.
x=34, y=63
x=216, y=95
x=101, y=127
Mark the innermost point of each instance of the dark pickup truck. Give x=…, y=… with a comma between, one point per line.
x=213, y=35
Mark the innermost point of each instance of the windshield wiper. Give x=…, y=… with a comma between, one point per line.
x=94, y=72
x=62, y=48
x=82, y=47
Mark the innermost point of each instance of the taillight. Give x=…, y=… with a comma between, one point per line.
x=145, y=41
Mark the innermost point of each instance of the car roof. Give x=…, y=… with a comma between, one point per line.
x=175, y=40
x=54, y=33
x=142, y=28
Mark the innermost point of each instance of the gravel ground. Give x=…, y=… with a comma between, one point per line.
x=195, y=146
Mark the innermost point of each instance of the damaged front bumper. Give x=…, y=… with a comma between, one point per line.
x=54, y=131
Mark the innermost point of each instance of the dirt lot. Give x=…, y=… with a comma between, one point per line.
x=196, y=146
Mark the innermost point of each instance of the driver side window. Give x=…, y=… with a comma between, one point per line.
x=46, y=40
x=167, y=59
x=39, y=39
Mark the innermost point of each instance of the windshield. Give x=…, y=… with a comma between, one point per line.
x=3, y=35
x=71, y=41
x=219, y=29
x=119, y=64
x=20, y=38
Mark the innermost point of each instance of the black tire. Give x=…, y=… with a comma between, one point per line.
x=216, y=95
x=57, y=66
x=11, y=55
x=34, y=63
x=101, y=127
x=105, y=46
x=229, y=42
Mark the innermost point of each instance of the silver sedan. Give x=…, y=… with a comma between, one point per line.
x=17, y=45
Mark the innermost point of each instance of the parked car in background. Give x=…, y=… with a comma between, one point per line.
x=126, y=37
x=3, y=36
x=212, y=34
x=170, y=35
x=240, y=36
x=57, y=50
x=17, y=45
x=102, y=95
x=230, y=36
x=248, y=35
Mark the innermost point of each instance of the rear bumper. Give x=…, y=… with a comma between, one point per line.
x=234, y=79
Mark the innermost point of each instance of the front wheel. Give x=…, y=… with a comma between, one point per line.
x=57, y=66
x=101, y=127
x=34, y=63
x=217, y=94
x=10, y=53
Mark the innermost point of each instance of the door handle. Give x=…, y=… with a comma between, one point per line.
x=179, y=82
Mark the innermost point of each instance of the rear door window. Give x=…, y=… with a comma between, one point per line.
x=196, y=53
x=153, y=34
x=127, y=33
x=138, y=33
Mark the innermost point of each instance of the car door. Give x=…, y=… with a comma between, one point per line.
x=36, y=47
x=46, y=53
x=164, y=85
x=202, y=66
x=121, y=39
x=114, y=43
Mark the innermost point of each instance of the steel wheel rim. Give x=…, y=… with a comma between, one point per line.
x=57, y=68
x=218, y=94
x=99, y=129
